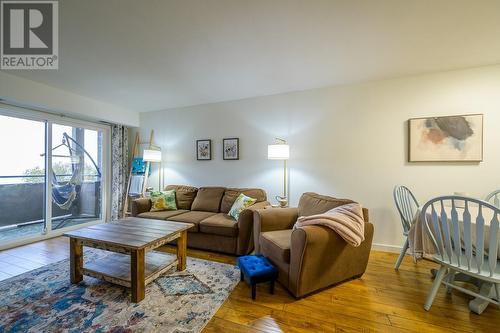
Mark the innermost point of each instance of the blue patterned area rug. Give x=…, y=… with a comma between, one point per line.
x=43, y=300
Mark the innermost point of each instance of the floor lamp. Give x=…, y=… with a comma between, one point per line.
x=153, y=155
x=280, y=151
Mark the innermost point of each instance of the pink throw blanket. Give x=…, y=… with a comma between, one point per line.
x=346, y=220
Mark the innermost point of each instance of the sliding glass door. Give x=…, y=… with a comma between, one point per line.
x=76, y=175
x=52, y=177
x=22, y=178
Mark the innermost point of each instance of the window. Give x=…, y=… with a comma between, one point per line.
x=76, y=175
x=52, y=176
x=22, y=178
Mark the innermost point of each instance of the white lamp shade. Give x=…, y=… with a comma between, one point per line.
x=278, y=152
x=151, y=155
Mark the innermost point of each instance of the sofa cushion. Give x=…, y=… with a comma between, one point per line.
x=208, y=199
x=312, y=203
x=194, y=217
x=276, y=244
x=184, y=195
x=161, y=215
x=220, y=224
x=231, y=194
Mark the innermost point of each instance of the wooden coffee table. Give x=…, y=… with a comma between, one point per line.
x=132, y=264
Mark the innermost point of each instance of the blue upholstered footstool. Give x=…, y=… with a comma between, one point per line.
x=257, y=269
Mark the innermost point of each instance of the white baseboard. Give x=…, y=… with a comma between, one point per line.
x=386, y=248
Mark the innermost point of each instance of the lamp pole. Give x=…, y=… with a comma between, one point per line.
x=284, y=178
x=154, y=155
x=280, y=151
x=160, y=177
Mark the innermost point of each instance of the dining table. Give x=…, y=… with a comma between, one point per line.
x=421, y=246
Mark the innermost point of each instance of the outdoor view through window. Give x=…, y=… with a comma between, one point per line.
x=75, y=177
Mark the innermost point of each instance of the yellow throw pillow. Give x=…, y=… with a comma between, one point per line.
x=240, y=204
x=163, y=200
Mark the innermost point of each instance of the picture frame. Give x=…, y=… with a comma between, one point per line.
x=231, y=149
x=204, y=150
x=456, y=138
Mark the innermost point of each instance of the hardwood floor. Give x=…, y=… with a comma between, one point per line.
x=381, y=301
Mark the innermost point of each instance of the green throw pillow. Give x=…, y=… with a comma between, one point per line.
x=240, y=204
x=163, y=200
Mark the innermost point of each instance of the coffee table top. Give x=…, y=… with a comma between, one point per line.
x=132, y=233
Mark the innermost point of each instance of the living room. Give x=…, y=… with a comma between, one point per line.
x=227, y=166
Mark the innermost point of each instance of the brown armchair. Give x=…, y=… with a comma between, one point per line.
x=309, y=258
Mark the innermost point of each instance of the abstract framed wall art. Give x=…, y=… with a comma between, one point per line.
x=446, y=139
x=204, y=150
x=231, y=149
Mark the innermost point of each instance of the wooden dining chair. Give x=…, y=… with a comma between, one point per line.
x=494, y=198
x=407, y=205
x=458, y=227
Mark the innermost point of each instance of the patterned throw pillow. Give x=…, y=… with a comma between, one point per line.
x=240, y=204
x=163, y=200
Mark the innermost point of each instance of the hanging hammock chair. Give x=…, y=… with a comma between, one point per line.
x=65, y=194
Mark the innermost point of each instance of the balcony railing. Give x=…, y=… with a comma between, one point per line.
x=24, y=203
x=43, y=176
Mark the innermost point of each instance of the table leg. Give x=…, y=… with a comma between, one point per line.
x=182, y=251
x=478, y=305
x=461, y=277
x=137, y=275
x=75, y=260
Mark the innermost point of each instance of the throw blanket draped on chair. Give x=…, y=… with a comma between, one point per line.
x=346, y=220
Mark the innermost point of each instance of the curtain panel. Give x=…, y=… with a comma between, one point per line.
x=119, y=169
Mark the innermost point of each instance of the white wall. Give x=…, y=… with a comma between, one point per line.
x=347, y=141
x=40, y=96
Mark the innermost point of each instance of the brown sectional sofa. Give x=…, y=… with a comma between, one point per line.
x=207, y=209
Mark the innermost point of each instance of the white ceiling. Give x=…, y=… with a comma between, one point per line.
x=150, y=55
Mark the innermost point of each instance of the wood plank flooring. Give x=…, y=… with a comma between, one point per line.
x=381, y=301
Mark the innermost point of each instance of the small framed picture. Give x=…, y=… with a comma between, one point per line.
x=204, y=150
x=231, y=149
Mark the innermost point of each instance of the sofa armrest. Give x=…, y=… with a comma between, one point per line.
x=140, y=205
x=245, y=228
x=319, y=257
x=272, y=219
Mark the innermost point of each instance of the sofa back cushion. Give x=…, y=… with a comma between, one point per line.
x=208, y=199
x=231, y=194
x=312, y=203
x=184, y=195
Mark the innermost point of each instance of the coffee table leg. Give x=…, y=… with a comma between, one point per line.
x=137, y=275
x=75, y=260
x=181, y=251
